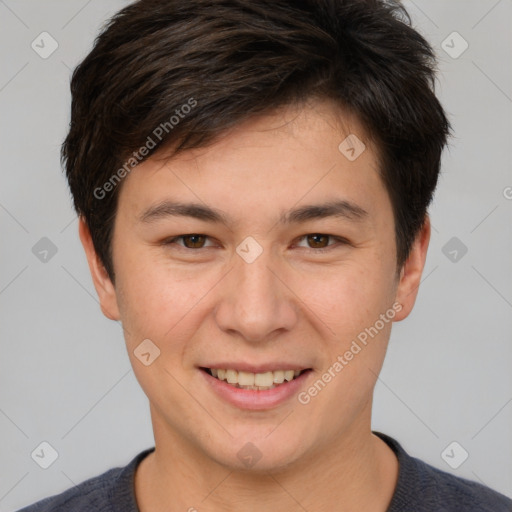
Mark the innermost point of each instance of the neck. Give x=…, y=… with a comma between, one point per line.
x=357, y=472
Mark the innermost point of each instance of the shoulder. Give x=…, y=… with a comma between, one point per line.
x=108, y=492
x=455, y=493
x=422, y=487
x=93, y=494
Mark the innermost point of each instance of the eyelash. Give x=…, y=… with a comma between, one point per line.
x=339, y=240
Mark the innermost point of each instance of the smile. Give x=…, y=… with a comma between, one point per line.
x=254, y=381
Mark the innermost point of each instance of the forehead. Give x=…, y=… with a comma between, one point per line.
x=292, y=157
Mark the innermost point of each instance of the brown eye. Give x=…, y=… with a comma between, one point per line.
x=189, y=241
x=193, y=241
x=318, y=241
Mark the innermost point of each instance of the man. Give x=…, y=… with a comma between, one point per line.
x=252, y=181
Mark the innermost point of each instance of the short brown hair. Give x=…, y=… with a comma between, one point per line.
x=238, y=58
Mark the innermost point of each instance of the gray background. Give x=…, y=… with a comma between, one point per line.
x=65, y=377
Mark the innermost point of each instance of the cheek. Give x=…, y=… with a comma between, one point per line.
x=349, y=298
x=157, y=301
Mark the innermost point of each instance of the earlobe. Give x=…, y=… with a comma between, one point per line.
x=102, y=283
x=410, y=273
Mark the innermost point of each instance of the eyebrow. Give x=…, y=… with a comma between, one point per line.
x=338, y=208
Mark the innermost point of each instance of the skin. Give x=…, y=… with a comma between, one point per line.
x=208, y=305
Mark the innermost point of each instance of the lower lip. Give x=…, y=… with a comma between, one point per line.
x=253, y=399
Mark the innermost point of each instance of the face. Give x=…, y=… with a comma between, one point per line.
x=269, y=254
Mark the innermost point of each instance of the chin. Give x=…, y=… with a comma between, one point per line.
x=259, y=453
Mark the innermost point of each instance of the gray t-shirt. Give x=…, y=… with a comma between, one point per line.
x=420, y=488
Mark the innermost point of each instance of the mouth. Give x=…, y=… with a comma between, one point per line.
x=254, y=381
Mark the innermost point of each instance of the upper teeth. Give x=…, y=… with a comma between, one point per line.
x=266, y=379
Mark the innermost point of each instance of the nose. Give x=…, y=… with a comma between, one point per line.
x=256, y=304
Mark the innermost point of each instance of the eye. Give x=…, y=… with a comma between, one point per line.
x=315, y=242
x=189, y=241
x=320, y=241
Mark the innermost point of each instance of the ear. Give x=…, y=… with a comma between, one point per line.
x=410, y=274
x=104, y=287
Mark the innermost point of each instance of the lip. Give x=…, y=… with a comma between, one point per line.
x=253, y=399
x=252, y=368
